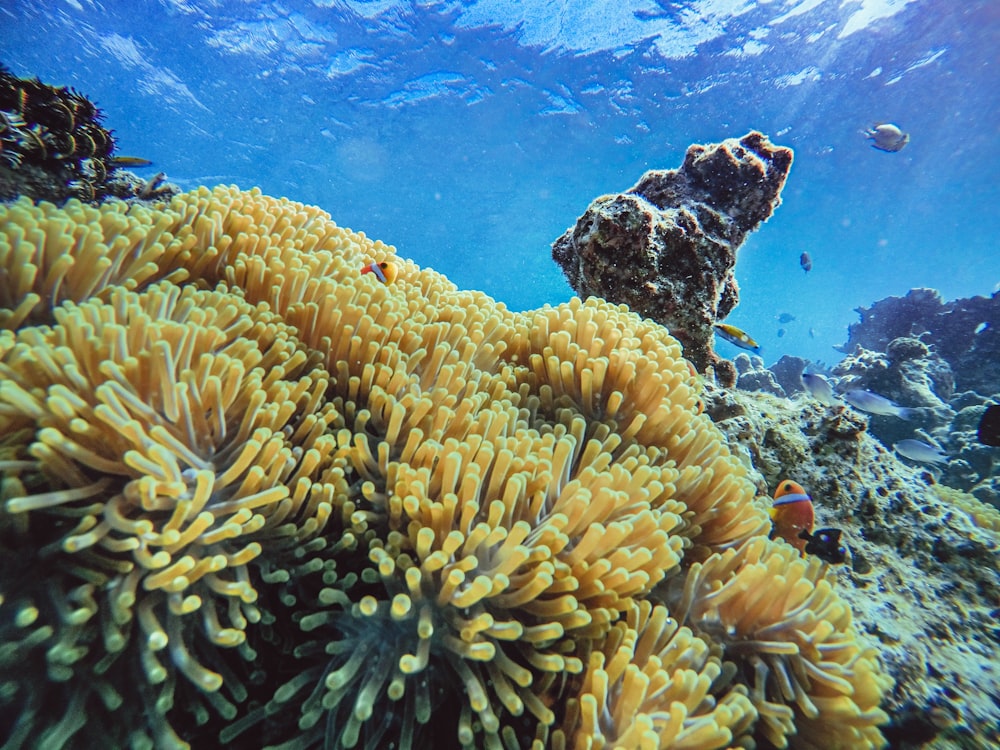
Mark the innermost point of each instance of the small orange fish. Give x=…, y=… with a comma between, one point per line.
x=791, y=514
x=386, y=271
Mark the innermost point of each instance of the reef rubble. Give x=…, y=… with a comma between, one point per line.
x=666, y=247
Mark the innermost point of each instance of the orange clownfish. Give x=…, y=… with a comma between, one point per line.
x=792, y=514
x=386, y=271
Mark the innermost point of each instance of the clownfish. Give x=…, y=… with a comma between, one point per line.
x=792, y=514
x=792, y=519
x=386, y=271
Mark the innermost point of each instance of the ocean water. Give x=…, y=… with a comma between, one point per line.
x=471, y=134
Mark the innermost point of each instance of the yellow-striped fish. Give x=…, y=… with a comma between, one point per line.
x=737, y=337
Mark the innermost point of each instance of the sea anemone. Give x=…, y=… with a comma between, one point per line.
x=653, y=684
x=813, y=681
x=77, y=252
x=173, y=432
x=286, y=498
x=491, y=564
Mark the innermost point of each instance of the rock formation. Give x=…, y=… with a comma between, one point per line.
x=667, y=246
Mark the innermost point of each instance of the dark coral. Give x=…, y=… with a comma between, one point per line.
x=965, y=333
x=53, y=146
x=667, y=246
x=788, y=373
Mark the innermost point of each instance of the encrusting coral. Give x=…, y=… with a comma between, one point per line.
x=253, y=490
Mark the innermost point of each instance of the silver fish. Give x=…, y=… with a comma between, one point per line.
x=887, y=137
x=819, y=388
x=875, y=404
x=917, y=450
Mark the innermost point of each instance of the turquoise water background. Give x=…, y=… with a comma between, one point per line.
x=472, y=134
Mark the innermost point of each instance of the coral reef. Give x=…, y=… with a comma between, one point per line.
x=251, y=490
x=923, y=572
x=53, y=146
x=965, y=333
x=910, y=374
x=667, y=246
x=787, y=373
x=973, y=467
x=913, y=375
x=753, y=376
x=943, y=358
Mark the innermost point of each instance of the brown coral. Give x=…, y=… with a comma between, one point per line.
x=667, y=246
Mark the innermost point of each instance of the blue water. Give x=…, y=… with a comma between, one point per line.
x=472, y=134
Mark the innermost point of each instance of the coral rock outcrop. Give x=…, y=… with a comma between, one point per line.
x=667, y=246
